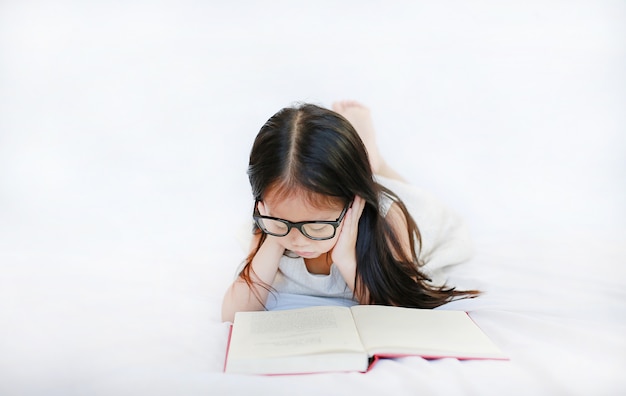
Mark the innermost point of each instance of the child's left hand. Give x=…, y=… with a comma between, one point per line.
x=344, y=252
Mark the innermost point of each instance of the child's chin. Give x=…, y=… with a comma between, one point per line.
x=307, y=255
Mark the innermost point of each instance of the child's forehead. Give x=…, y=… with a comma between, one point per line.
x=300, y=196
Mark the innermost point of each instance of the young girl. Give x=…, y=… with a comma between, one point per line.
x=332, y=220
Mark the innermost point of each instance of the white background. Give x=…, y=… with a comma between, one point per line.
x=125, y=129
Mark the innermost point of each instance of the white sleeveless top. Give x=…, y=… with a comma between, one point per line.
x=294, y=278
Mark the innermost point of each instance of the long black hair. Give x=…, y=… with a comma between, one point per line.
x=310, y=149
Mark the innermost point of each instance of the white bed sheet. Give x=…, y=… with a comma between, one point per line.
x=161, y=334
x=124, y=134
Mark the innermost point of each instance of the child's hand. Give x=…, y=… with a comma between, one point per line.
x=344, y=252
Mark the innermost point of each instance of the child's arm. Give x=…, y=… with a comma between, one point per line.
x=242, y=297
x=344, y=252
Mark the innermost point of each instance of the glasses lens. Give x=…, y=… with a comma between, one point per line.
x=315, y=230
x=273, y=226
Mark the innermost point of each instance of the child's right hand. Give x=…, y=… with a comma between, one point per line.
x=344, y=252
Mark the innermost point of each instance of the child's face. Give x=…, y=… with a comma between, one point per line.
x=296, y=209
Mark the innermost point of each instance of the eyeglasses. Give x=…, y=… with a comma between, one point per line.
x=319, y=230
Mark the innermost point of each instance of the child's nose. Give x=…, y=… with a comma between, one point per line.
x=297, y=238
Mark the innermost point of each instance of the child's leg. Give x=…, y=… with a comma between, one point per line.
x=361, y=119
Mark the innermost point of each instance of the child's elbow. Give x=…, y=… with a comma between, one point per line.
x=228, y=316
x=228, y=309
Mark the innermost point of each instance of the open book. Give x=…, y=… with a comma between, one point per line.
x=329, y=338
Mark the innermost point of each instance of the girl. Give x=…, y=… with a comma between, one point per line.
x=330, y=224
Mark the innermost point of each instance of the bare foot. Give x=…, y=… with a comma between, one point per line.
x=360, y=118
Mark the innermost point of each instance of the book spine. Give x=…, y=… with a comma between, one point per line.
x=230, y=334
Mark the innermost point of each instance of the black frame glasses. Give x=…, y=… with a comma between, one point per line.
x=258, y=219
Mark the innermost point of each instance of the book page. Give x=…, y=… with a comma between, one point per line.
x=424, y=332
x=269, y=334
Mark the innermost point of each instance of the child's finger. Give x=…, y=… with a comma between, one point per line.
x=360, y=205
x=355, y=212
